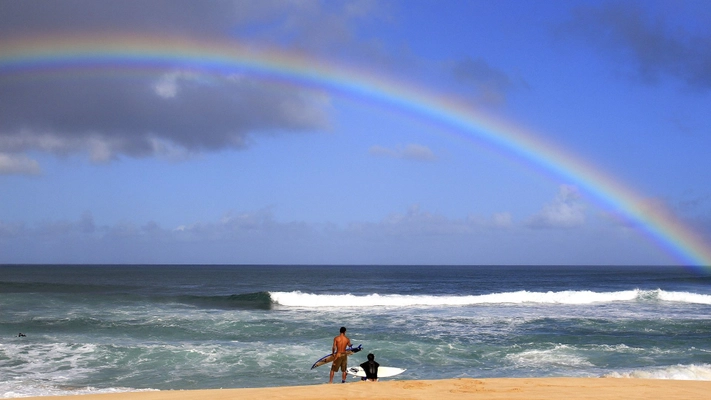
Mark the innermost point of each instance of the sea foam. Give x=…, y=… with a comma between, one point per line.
x=684, y=297
x=695, y=372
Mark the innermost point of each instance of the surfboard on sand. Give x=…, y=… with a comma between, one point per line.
x=329, y=357
x=383, y=372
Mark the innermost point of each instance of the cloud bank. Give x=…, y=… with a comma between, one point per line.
x=415, y=236
x=174, y=111
x=138, y=118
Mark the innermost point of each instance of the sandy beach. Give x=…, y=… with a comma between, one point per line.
x=504, y=388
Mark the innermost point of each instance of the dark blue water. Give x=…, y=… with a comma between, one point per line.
x=117, y=328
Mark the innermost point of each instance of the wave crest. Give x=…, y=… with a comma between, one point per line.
x=257, y=300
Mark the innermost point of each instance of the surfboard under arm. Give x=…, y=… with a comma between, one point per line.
x=330, y=357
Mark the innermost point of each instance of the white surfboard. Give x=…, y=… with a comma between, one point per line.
x=383, y=372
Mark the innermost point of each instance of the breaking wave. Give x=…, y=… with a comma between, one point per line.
x=572, y=297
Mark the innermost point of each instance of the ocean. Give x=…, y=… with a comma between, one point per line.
x=96, y=329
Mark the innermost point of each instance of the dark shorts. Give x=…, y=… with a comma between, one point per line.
x=341, y=362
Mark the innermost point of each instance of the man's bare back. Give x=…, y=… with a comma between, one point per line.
x=340, y=345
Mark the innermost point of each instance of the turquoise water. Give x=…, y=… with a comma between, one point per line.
x=118, y=328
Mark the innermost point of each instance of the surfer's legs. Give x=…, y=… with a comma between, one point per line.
x=344, y=367
x=339, y=363
x=330, y=379
x=334, y=368
x=342, y=363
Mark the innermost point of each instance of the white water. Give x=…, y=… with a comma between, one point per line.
x=700, y=372
x=310, y=300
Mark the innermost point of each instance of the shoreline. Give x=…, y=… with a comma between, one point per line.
x=457, y=388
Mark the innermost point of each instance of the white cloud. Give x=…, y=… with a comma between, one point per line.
x=566, y=211
x=412, y=151
x=417, y=222
x=502, y=220
x=13, y=164
x=167, y=86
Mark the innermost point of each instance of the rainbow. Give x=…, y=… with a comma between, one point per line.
x=23, y=57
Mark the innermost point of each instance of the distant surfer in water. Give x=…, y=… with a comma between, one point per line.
x=371, y=369
x=340, y=343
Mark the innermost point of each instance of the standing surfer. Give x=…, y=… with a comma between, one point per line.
x=340, y=343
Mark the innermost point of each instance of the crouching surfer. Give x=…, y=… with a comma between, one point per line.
x=370, y=368
x=340, y=343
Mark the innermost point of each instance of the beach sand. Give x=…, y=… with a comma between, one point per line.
x=503, y=388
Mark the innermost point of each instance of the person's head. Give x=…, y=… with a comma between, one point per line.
x=371, y=357
x=343, y=329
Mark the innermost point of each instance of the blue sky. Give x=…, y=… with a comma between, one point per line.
x=97, y=169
